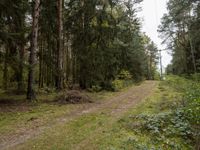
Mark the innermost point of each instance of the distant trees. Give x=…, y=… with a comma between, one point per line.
x=13, y=40
x=180, y=29
x=58, y=43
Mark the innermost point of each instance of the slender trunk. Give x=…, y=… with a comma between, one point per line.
x=21, y=54
x=82, y=64
x=74, y=69
x=191, y=43
x=150, y=68
x=69, y=60
x=41, y=65
x=59, y=78
x=32, y=61
x=21, y=69
x=5, y=70
x=193, y=55
x=161, y=72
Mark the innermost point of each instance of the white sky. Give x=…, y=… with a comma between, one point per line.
x=152, y=12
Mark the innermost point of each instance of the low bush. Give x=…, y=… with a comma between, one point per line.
x=124, y=75
x=73, y=97
x=124, y=79
x=166, y=124
x=181, y=121
x=95, y=88
x=117, y=84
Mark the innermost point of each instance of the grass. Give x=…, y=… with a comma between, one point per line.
x=65, y=136
x=16, y=114
x=121, y=136
x=125, y=135
x=94, y=132
x=99, y=130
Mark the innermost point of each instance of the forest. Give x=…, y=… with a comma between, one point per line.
x=60, y=44
x=82, y=74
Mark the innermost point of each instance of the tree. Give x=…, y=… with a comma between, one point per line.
x=178, y=29
x=33, y=49
x=59, y=77
x=85, y=43
x=13, y=37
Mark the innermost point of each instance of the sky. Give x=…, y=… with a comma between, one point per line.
x=151, y=14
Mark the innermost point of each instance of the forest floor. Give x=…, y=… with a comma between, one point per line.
x=71, y=126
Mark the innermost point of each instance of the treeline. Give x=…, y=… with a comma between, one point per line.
x=180, y=30
x=60, y=43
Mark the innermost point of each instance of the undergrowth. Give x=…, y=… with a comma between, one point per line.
x=174, y=127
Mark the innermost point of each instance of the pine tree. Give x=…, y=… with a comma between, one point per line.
x=33, y=49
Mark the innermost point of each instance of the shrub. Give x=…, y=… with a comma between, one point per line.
x=95, y=88
x=124, y=75
x=117, y=84
x=195, y=77
x=191, y=100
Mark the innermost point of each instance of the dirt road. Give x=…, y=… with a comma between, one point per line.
x=115, y=107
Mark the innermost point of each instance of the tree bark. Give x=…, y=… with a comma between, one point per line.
x=22, y=43
x=21, y=69
x=5, y=70
x=41, y=65
x=59, y=78
x=32, y=60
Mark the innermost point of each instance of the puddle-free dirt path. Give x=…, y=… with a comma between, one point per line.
x=115, y=107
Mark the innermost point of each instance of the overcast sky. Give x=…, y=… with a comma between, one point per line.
x=152, y=12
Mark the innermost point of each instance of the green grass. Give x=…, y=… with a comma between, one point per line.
x=65, y=136
x=122, y=135
x=18, y=114
x=125, y=135
x=95, y=132
x=99, y=130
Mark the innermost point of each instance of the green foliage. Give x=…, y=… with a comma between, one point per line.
x=195, y=77
x=179, y=28
x=124, y=79
x=191, y=96
x=156, y=75
x=101, y=38
x=117, y=84
x=125, y=75
x=166, y=125
x=191, y=101
x=95, y=88
x=175, y=122
x=193, y=110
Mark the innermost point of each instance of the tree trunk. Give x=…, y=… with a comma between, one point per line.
x=21, y=69
x=41, y=65
x=59, y=78
x=5, y=70
x=22, y=44
x=32, y=59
